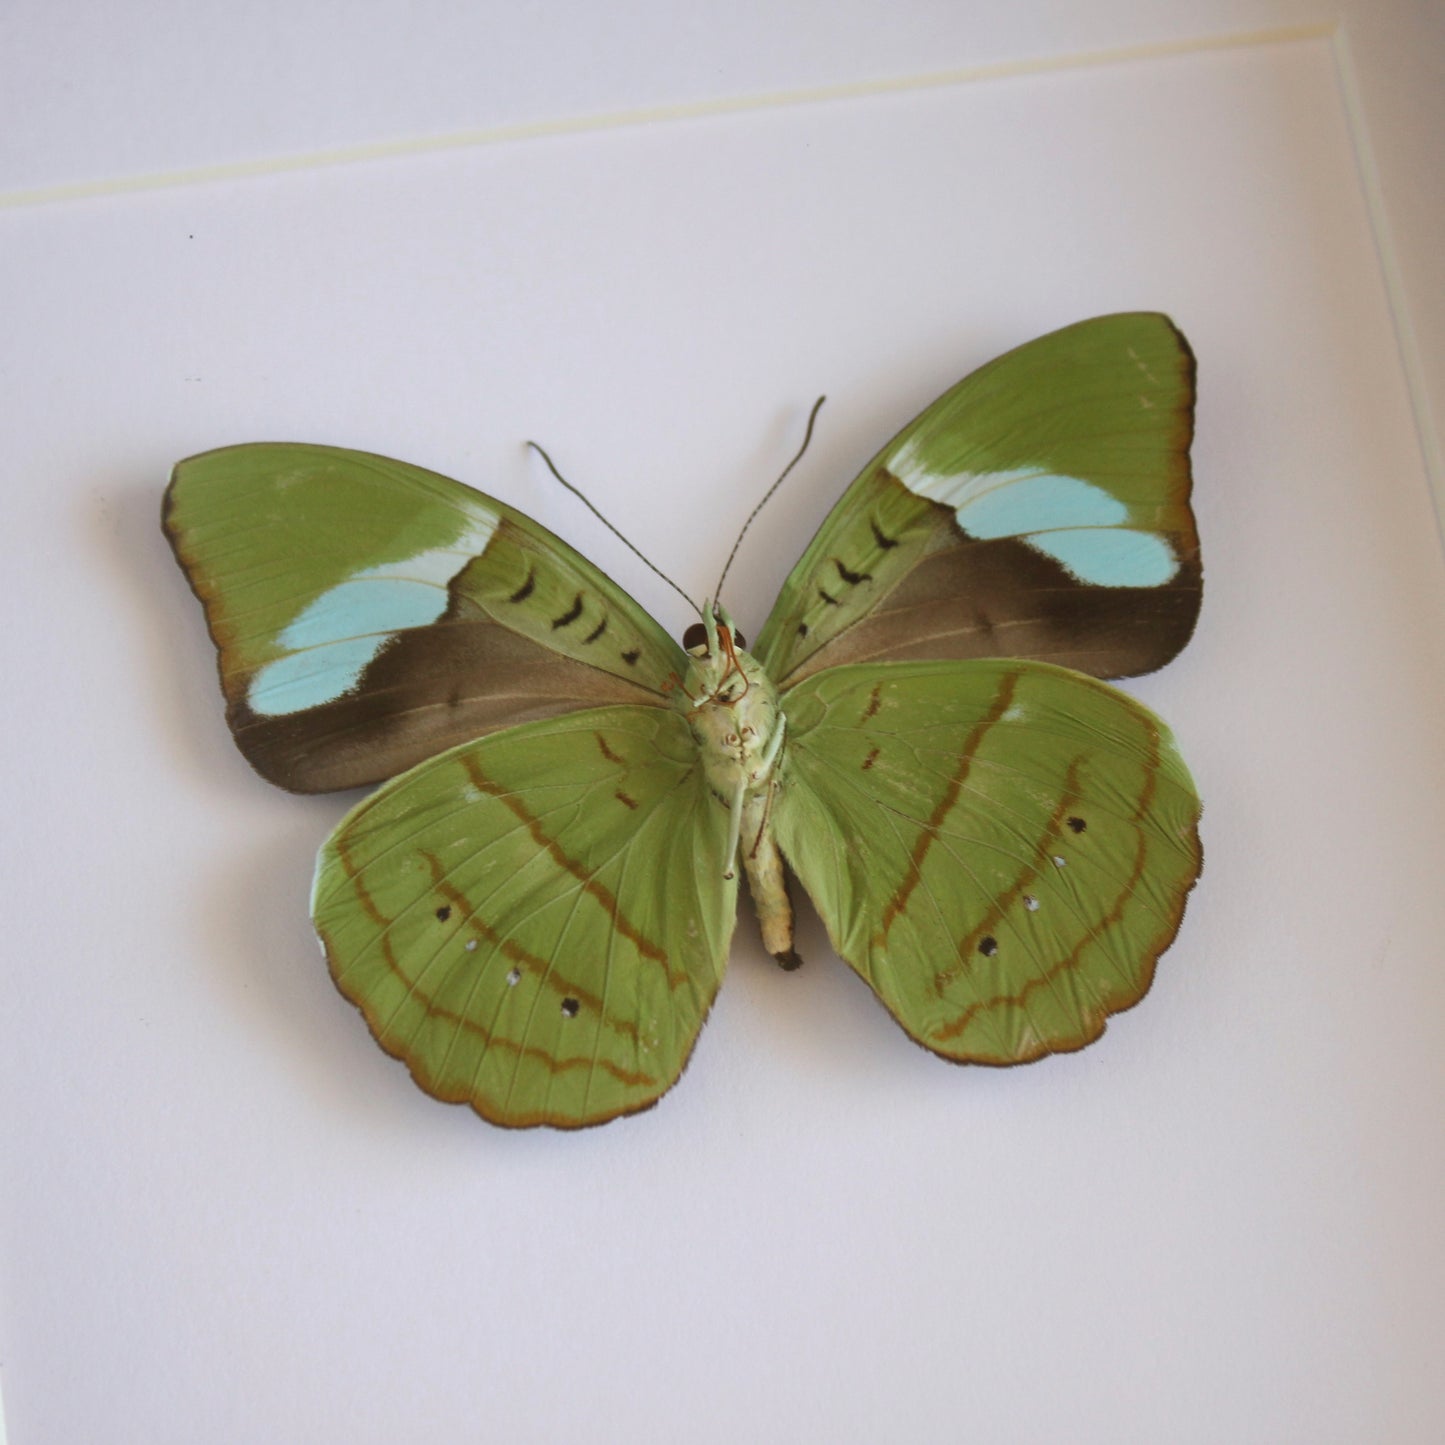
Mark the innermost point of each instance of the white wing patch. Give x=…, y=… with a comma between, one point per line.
x=1081, y=526
x=333, y=639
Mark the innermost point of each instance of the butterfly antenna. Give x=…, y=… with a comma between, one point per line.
x=767, y=496
x=551, y=467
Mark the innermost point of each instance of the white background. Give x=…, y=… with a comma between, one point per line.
x=227, y=1216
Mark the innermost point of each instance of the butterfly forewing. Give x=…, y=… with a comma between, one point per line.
x=537, y=922
x=1038, y=509
x=1001, y=849
x=369, y=614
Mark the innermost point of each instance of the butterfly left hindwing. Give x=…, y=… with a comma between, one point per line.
x=521, y=922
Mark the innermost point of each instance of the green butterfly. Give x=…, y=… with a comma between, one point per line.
x=535, y=911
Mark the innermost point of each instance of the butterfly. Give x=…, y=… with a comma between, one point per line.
x=535, y=909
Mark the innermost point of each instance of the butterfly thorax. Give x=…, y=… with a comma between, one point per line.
x=732, y=708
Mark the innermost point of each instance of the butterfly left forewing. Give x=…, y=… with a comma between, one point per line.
x=368, y=613
x=1002, y=850
x=1040, y=508
x=537, y=922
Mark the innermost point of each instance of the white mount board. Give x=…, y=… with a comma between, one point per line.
x=227, y=1216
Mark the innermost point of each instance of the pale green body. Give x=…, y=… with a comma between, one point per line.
x=734, y=713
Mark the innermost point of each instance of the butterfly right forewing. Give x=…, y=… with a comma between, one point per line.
x=1040, y=509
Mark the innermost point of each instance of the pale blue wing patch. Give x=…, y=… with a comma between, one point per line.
x=331, y=641
x=1109, y=556
x=307, y=679
x=1080, y=525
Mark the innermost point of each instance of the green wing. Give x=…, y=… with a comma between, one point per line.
x=1001, y=849
x=369, y=614
x=1038, y=509
x=537, y=922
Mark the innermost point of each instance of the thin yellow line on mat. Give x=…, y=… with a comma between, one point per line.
x=653, y=115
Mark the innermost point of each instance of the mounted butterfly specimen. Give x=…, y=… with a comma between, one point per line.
x=534, y=912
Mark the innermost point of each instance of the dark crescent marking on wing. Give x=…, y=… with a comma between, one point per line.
x=570, y=616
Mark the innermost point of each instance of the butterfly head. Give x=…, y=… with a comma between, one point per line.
x=708, y=636
x=719, y=671
x=728, y=699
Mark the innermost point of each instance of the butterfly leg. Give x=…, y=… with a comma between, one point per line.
x=735, y=825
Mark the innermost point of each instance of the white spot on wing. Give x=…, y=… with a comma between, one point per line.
x=1134, y=357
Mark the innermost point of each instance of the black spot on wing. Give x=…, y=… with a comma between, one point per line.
x=597, y=631
x=525, y=590
x=878, y=536
x=631, y=655
x=850, y=577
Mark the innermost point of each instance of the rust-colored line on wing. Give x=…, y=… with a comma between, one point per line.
x=469, y=1025
x=514, y=952
x=1003, y=698
x=353, y=876
x=1042, y=849
x=1116, y=912
x=604, y=896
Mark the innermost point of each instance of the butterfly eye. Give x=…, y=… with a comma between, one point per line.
x=695, y=636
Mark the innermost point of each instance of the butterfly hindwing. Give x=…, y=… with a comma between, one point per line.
x=537, y=922
x=369, y=613
x=1001, y=849
x=1039, y=509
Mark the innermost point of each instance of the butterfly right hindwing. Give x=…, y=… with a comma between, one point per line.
x=1002, y=849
